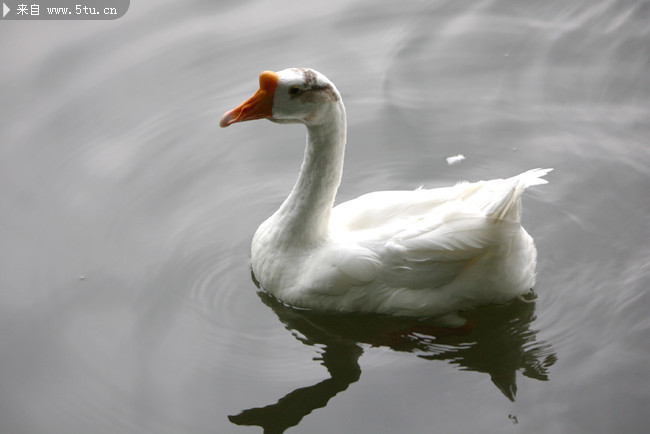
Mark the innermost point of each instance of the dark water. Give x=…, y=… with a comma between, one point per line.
x=126, y=301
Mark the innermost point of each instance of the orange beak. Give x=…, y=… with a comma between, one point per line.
x=258, y=106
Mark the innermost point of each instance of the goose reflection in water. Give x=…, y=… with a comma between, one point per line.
x=500, y=344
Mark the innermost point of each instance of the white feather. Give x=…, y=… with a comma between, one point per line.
x=416, y=253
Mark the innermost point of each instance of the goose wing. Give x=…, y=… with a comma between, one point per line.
x=424, y=238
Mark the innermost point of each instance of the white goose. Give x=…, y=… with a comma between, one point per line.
x=421, y=253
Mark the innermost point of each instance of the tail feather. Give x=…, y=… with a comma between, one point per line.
x=509, y=205
x=533, y=177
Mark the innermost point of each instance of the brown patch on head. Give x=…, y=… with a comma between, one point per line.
x=310, y=79
x=327, y=90
x=309, y=76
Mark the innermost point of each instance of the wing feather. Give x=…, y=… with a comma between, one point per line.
x=425, y=238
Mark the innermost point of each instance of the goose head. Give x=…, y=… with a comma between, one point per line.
x=295, y=95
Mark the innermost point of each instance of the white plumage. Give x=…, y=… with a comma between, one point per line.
x=411, y=253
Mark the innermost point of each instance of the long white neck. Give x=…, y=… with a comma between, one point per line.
x=303, y=218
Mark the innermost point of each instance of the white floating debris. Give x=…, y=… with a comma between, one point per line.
x=455, y=159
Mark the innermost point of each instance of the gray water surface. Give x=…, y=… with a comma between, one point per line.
x=126, y=298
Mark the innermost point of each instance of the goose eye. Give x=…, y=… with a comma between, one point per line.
x=295, y=91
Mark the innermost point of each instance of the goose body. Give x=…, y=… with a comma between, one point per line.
x=428, y=252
